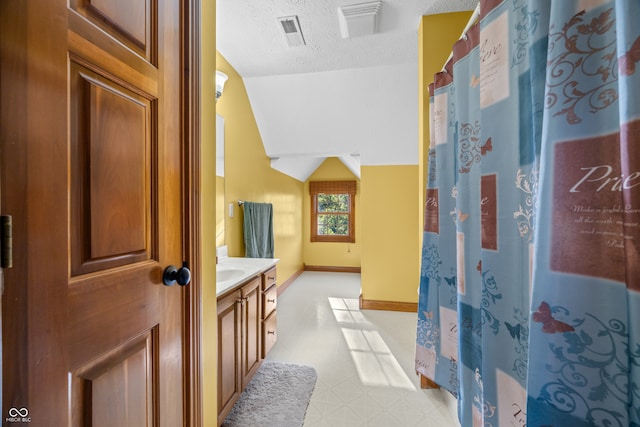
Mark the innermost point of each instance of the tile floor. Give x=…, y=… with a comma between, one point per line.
x=364, y=359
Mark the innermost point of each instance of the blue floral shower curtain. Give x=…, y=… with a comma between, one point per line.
x=529, y=309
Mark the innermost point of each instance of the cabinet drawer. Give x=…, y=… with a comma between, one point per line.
x=269, y=301
x=269, y=333
x=268, y=278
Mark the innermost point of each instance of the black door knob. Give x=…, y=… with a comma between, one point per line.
x=172, y=275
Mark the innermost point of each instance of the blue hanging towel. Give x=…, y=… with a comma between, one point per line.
x=258, y=230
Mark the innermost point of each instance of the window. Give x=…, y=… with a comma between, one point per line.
x=333, y=211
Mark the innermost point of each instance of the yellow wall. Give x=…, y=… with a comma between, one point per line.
x=208, y=210
x=390, y=268
x=323, y=253
x=249, y=177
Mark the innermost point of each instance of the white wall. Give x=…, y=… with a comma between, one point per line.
x=372, y=112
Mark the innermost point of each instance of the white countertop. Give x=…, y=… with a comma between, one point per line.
x=248, y=268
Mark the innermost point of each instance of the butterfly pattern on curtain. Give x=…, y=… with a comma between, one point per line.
x=584, y=364
x=438, y=306
x=529, y=310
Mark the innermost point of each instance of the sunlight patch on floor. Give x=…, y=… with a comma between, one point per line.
x=346, y=310
x=375, y=363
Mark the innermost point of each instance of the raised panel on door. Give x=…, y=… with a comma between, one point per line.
x=132, y=23
x=113, y=185
x=252, y=337
x=131, y=371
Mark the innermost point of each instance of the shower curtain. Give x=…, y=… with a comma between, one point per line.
x=529, y=308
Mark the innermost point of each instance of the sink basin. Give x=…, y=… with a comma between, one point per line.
x=224, y=274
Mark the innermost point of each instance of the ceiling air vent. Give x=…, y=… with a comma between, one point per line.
x=359, y=19
x=292, y=32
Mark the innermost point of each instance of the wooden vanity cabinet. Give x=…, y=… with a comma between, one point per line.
x=246, y=333
x=269, y=303
x=239, y=342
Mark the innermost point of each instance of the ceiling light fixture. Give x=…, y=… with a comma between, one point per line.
x=221, y=79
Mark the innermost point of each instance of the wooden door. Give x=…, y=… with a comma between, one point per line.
x=92, y=164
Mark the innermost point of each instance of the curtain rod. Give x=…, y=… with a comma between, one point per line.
x=472, y=20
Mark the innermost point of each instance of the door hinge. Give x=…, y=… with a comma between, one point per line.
x=6, y=241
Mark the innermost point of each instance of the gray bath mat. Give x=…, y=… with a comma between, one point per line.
x=277, y=396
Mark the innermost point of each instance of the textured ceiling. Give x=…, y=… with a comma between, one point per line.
x=250, y=38
x=371, y=116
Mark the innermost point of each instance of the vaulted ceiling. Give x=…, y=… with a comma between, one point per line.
x=354, y=98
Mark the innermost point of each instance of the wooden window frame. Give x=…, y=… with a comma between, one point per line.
x=332, y=187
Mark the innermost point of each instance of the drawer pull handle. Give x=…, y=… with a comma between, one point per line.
x=271, y=332
x=271, y=278
x=271, y=300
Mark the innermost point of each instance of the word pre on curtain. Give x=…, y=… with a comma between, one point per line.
x=529, y=309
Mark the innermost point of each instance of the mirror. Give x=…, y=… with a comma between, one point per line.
x=220, y=203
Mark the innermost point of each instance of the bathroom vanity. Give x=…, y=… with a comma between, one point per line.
x=247, y=299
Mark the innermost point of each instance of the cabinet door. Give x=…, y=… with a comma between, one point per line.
x=251, y=318
x=229, y=352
